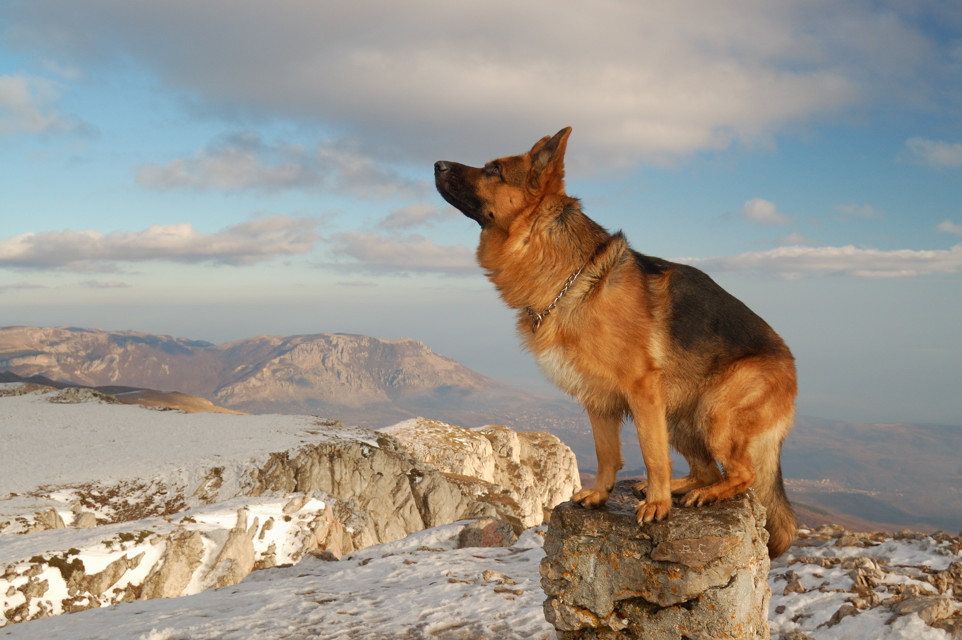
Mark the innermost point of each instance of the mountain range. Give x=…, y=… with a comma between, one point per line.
x=354, y=378
x=883, y=476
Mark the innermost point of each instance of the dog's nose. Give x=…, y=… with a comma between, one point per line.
x=441, y=166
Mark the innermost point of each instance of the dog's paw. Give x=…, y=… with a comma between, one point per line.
x=640, y=488
x=698, y=498
x=590, y=498
x=652, y=510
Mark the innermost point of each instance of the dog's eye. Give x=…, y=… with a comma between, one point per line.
x=492, y=170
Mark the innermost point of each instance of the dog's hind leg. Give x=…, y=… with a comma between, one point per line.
x=730, y=447
x=606, y=429
x=733, y=416
x=703, y=470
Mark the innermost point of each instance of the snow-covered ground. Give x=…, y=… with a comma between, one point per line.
x=835, y=585
x=77, y=439
x=829, y=586
x=420, y=587
x=425, y=587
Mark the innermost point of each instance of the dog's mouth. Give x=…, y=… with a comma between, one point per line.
x=450, y=183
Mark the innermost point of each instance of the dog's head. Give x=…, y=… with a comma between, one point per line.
x=496, y=194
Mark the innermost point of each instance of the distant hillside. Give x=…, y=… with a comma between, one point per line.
x=902, y=475
x=353, y=378
x=125, y=395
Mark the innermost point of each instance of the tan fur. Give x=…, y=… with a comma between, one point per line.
x=620, y=340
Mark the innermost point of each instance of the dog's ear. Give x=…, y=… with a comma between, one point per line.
x=547, y=161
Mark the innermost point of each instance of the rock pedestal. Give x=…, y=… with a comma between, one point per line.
x=701, y=574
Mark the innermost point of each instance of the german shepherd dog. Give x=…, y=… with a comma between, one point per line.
x=630, y=334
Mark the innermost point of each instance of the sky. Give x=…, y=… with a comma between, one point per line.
x=218, y=171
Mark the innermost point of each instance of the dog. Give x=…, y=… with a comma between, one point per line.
x=628, y=334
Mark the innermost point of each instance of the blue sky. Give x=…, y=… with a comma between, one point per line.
x=218, y=171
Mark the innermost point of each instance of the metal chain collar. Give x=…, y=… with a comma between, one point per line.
x=538, y=318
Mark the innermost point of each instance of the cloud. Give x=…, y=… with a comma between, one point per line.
x=951, y=227
x=764, y=212
x=104, y=284
x=242, y=244
x=415, y=215
x=396, y=253
x=858, y=211
x=26, y=106
x=794, y=238
x=242, y=161
x=238, y=161
x=393, y=248
x=18, y=286
x=795, y=261
x=936, y=153
x=419, y=79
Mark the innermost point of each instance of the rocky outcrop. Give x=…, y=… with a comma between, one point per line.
x=179, y=525
x=699, y=574
x=538, y=470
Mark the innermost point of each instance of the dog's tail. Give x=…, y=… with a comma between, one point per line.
x=770, y=489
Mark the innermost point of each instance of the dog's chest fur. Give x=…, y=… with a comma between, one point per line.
x=559, y=369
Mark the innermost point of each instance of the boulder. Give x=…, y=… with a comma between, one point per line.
x=701, y=573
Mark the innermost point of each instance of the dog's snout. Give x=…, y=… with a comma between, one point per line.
x=441, y=166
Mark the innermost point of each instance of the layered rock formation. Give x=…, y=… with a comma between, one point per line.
x=168, y=504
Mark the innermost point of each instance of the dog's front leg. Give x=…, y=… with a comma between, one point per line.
x=648, y=411
x=606, y=430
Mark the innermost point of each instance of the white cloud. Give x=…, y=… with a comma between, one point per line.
x=245, y=243
x=396, y=253
x=242, y=161
x=936, y=153
x=951, y=227
x=764, y=212
x=26, y=106
x=239, y=161
x=645, y=83
x=848, y=260
x=415, y=215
